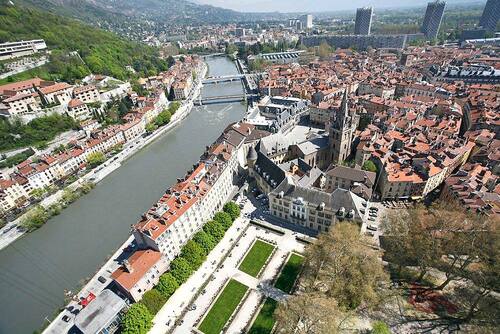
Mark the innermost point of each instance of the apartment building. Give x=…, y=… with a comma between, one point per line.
x=140, y=273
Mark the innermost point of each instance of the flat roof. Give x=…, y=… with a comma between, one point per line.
x=100, y=312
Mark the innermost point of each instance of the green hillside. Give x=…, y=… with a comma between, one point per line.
x=102, y=52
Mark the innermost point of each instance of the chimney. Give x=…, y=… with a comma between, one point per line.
x=127, y=266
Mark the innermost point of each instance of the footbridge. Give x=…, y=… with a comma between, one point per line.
x=224, y=99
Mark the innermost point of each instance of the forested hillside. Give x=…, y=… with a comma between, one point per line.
x=102, y=52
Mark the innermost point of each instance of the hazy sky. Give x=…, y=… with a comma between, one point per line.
x=314, y=5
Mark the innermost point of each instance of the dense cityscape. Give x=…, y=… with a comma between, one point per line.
x=178, y=167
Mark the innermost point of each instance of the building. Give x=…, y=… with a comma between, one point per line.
x=341, y=132
x=286, y=57
x=307, y=21
x=433, y=18
x=79, y=110
x=491, y=15
x=22, y=48
x=102, y=315
x=358, y=181
x=239, y=32
x=12, y=195
x=140, y=273
x=363, y=22
x=360, y=42
x=313, y=208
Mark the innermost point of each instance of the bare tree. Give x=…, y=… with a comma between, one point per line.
x=341, y=266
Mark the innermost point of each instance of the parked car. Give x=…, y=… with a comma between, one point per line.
x=371, y=234
x=371, y=219
x=372, y=227
x=373, y=208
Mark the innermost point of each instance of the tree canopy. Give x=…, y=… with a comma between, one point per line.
x=167, y=285
x=153, y=300
x=180, y=269
x=137, y=320
x=232, y=209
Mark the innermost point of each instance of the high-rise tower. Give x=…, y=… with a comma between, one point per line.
x=433, y=18
x=491, y=15
x=363, y=23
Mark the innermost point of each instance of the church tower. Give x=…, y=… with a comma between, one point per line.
x=341, y=132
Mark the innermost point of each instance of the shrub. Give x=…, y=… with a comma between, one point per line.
x=380, y=327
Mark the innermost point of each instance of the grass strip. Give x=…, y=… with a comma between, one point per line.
x=289, y=274
x=223, y=308
x=256, y=258
x=264, y=322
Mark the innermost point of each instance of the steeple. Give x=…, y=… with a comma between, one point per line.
x=344, y=108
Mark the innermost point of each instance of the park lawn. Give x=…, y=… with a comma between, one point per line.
x=289, y=273
x=264, y=322
x=256, y=258
x=223, y=307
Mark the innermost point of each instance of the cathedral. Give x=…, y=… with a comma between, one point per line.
x=342, y=128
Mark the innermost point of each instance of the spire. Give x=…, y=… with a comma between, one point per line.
x=344, y=108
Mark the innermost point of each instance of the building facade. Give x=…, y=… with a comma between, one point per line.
x=433, y=18
x=363, y=22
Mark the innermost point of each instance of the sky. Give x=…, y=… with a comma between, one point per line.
x=313, y=5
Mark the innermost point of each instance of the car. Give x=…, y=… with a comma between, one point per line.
x=260, y=196
x=373, y=208
x=372, y=227
x=101, y=279
x=371, y=219
x=371, y=234
x=65, y=318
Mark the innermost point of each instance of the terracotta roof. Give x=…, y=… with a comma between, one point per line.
x=139, y=263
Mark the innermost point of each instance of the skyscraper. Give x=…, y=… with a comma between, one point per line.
x=363, y=21
x=491, y=15
x=433, y=18
x=307, y=21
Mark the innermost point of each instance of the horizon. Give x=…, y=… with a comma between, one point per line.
x=321, y=6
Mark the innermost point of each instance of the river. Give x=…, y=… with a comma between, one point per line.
x=36, y=269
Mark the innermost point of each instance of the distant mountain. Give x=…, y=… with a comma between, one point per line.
x=171, y=11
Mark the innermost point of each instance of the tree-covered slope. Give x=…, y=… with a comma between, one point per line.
x=103, y=52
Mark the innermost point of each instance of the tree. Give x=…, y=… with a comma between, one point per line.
x=370, y=166
x=137, y=320
x=214, y=229
x=232, y=209
x=308, y=314
x=180, y=269
x=205, y=240
x=409, y=239
x=194, y=254
x=224, y=219
x=153, y=300
x=95, y=159
x=167, y=285
x=342, y=267
x=324, y=51
x=151, y=127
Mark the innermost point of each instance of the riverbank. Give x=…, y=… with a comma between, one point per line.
x=13, y=230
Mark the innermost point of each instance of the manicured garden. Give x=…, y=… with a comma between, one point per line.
x=289, y=274
x=256, y=258
x=264, y=322
x=223, y=307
